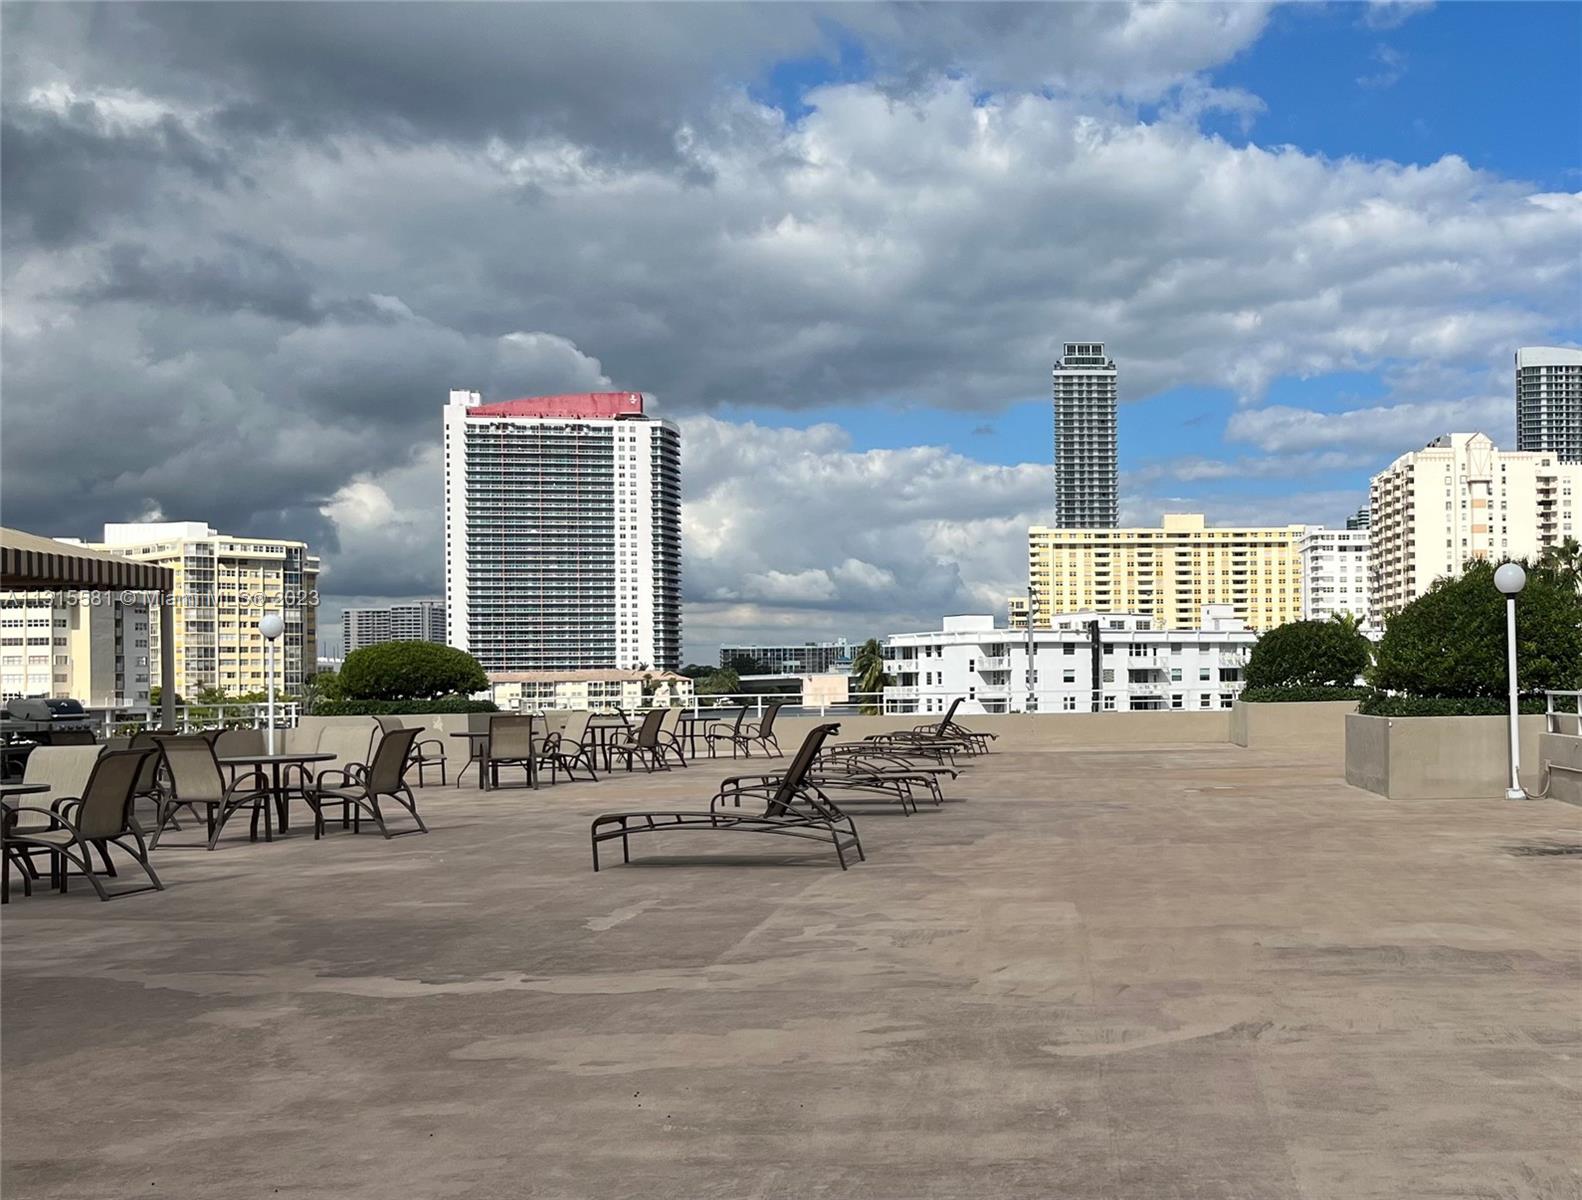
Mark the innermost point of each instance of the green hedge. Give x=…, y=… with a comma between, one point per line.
x=1377, y=704
x=1300, y=695
x=400, y=708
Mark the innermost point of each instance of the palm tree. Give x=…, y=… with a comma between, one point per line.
x=868, y=667
x=1347, y=621
x=1564, y=558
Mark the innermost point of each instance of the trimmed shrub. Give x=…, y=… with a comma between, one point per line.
x=409, y=670
x=1449, y=643
x=1308, y=654
x=1300, y=695
x=1377, y=704
x=397, y=708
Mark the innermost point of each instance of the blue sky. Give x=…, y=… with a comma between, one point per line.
x=1493, y=83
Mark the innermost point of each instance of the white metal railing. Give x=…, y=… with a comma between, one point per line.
x=999, y=663
x=1561, y=707
x=119, y=722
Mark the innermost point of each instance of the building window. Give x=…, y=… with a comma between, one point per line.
x=1109, y=703
x=1069, y=703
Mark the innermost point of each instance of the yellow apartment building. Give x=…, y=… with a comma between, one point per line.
x=223, y=587
x=1170, y=573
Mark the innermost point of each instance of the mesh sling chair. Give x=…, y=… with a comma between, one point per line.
x=569, y=747
x=426, y=752
x=196, y=781
x=669, y=736
x=64, y=770
x=721, y=731
x=99, y=818
x=644, y=744
x=510, y=744
x=386, y=776
x=791, y=809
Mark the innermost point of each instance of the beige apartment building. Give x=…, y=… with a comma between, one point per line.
x=1461, y=498
x=1170, y=573
x=87, y=646
x=223, y=587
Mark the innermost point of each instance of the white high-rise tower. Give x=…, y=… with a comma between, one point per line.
x=1087, y=495
x=1549, y=401
x=562, y=532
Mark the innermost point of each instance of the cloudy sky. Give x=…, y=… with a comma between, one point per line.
x=248, y=248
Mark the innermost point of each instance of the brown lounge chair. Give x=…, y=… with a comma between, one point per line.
x=359, y=793
x=791, y=809
x=101, y=817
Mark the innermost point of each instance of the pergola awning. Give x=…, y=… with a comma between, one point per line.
x=29, y=563
x=32, y=563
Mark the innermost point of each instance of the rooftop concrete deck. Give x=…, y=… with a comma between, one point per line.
x=1174, y=972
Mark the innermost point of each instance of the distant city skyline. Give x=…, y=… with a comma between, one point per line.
x=232, y=290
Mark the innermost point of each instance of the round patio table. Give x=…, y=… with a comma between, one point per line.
x=276, y=789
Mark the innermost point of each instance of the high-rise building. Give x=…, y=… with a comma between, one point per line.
x=1359, y=519
x=562, y=532
x=88, y=646
x=224, y=586
x=1334, y=572
x=1460, y=498
x=420, y=622
x=1087, y=494
x=1171, y=573
x=808, y=658
x=1549, y=401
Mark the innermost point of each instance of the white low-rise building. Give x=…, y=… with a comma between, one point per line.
x=1085, y=662
x=531, y=691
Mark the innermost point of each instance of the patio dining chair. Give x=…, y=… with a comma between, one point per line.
x=385, y=777
x=669, y=736
x=510, y=744
x=195, y=780
x=643, y=744
x=96, y=820
x=725, y=731
x=427, y=753
x=569, y=747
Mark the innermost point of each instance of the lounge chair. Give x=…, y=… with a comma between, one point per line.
x=569, y=747
x=945, y=734
x=196, y=781
x=99, y=818
x=359, y=795
x=644, y=743
x=510, y=744
x=791, y=809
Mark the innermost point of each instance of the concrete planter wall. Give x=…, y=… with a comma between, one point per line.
x=1315, y=729
x=1437, y=758
x=1563, y=751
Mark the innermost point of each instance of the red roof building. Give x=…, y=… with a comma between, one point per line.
x=574, y=405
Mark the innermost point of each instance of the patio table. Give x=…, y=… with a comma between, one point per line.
x=277, y=790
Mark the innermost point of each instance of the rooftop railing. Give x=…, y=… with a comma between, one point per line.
x=1563, y=712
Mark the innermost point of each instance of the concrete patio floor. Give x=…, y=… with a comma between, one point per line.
x=1143, y=974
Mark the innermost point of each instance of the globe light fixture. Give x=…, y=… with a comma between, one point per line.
x=1510, y=579
x=271, y=627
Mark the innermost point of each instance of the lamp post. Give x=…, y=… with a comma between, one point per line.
x=1511, y=579
x=271, y=627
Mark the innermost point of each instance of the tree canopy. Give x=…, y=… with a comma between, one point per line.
x=410, y=671
x=1450, y=641
x=1308, y=654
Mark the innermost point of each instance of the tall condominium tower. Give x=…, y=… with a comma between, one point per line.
x=1086, y=495
x=423, y=621
x=562, y=532
x=1549, y=401
x=1460, y=498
